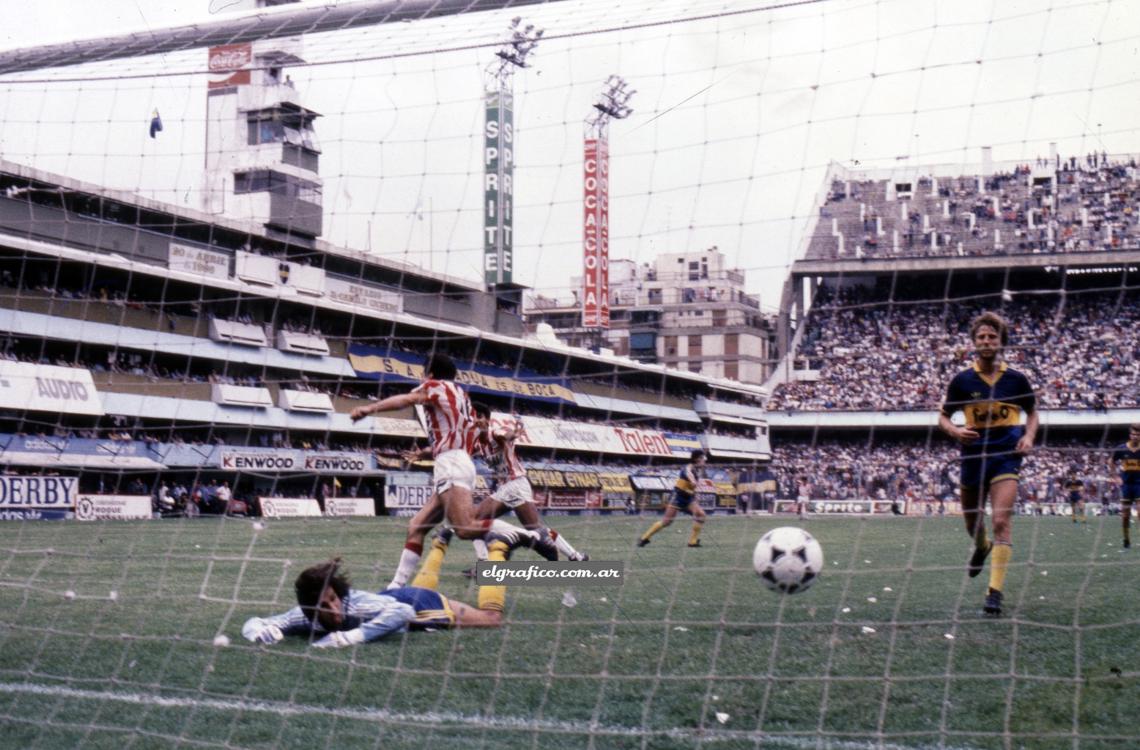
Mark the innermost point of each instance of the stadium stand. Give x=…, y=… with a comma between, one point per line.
x=1079, y=350
x=1071, y=205
x=906, y=467
x=896, y=264
x=211, y=354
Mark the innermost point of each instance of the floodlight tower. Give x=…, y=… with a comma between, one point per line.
x=498, y=161
x=613, y=104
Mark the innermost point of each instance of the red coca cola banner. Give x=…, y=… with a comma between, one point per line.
x=596, y=235
x=229, y=65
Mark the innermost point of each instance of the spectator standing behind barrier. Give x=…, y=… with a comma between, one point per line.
x=222, y=497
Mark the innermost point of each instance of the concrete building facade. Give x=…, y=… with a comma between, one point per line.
x=687, y=311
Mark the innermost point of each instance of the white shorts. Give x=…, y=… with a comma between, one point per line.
x=453, y=469
x=514, y=493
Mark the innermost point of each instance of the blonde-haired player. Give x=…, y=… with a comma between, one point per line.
x=993, y=397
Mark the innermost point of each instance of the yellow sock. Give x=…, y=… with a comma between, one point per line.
x=653, y=530
x=494, y=597
x=980, y=536
x=999, y=562
x=428, y=577
x=695, y=534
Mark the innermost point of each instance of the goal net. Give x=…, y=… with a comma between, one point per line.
x=222, y=232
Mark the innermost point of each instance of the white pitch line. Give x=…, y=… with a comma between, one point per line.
x=482, y=722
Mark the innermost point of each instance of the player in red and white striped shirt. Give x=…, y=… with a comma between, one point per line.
x=452, y=430
x=496, y=446
x=499, y=445
x=447, y=413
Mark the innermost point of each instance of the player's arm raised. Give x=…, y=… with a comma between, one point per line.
x=392, y=403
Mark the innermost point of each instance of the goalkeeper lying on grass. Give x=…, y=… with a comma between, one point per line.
x=329, y=607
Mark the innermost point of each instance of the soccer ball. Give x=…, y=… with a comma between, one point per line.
x=788, y=559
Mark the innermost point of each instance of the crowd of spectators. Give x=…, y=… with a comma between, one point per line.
x=624, y=383
x=841, y=469
x=1080, y=351
x=919, y=470
x=1071, y=205
x=299, y=325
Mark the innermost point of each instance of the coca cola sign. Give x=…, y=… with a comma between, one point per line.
x=230, y=57
x=228, y=63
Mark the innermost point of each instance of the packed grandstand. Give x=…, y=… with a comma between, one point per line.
x=898, y=262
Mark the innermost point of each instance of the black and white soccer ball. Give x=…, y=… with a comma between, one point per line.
x=788, y=560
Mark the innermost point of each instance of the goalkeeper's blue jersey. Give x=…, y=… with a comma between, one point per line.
x=377, y=615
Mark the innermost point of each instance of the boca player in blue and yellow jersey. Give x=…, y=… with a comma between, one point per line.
x=684, y=499
x=1128, y=456
x=1074, y=489
x=993, y=397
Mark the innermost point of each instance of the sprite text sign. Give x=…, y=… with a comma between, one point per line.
x=498, y=171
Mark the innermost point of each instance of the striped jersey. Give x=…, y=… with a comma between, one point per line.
x=498, y=454
x=450, y=424
x=376, y=615
x=502, y=457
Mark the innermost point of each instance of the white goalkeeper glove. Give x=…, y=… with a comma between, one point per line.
x=260, y=631
x=340, y=639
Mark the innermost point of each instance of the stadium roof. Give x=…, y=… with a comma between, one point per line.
x=71, y=185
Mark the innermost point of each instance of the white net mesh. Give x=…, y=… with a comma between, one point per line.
x=846, y=138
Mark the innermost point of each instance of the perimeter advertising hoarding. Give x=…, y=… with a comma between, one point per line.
x=44, y=493
x=350, y=506
x=840, y=507
x=407, y=490
x=113, y=508
x=37, y=498
x=289, y=507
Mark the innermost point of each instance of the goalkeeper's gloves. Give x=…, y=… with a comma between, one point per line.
x=340, y=639
x=260, y=631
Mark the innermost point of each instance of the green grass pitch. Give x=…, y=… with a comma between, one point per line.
x=888, y=650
